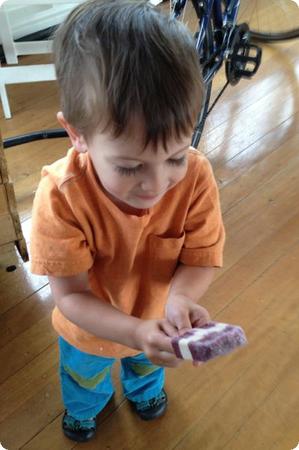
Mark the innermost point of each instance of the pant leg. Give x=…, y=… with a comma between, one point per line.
x=141, y=379
x=86, y=382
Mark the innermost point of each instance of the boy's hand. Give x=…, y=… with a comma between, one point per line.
x=183, y=313
x=153, y=337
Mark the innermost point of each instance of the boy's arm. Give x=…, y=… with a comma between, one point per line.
x=77, y=303
x=191, y=281
x=188, y=285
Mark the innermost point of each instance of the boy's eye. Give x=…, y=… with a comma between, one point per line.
x=133, y=170
x=127, y=170
x=177, y=162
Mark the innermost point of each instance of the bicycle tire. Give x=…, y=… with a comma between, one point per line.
x=272, y=37
x=271, y=21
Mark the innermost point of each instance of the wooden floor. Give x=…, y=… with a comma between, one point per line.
x=249, y=400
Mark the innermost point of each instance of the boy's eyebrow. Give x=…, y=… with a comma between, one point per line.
x=137, y=159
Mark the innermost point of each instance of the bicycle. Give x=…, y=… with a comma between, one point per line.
x=219, y=38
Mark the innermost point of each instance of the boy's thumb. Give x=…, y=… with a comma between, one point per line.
x=184, y=326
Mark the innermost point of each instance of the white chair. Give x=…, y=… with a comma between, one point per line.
x=12, y=49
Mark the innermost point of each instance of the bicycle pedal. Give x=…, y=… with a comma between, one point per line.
x=247, y=63
x=244, y=58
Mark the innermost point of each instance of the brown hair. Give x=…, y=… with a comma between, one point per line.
x=119, y=59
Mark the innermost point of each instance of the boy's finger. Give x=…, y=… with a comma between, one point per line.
x=182, y=331
x=163, y=343
x=169, y=359
x=169, y=329
x=183, y=324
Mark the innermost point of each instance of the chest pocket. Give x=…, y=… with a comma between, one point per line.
x=164, y=254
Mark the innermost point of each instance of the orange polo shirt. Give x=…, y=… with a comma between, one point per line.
x=130, y=259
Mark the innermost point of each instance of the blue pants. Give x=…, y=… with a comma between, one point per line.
x=87, y=385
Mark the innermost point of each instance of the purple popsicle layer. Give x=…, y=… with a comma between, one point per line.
x=208, y=342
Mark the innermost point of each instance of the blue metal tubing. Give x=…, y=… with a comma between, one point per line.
x=226, y=20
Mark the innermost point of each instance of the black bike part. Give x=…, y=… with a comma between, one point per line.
x=198, y=129
x=35, y=136
x=207, y=51
x=272, y=37
x=218, y=97
x=204, y=56
x=244, y=58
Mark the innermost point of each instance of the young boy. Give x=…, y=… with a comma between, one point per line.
x=128, y=225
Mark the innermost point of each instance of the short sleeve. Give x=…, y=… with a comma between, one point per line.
x=58, y=245
x=204, y=230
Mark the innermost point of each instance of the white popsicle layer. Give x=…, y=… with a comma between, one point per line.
x=211, y=340
x=198, y=334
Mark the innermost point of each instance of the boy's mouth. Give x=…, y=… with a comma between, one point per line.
x=149, y=197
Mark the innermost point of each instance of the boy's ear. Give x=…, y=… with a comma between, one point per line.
x=77, y=139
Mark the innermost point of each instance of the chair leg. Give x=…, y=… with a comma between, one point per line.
x=5, y=102
x=8, y=44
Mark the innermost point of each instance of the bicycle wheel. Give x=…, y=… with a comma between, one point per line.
x=190, y=18
x=270, y=20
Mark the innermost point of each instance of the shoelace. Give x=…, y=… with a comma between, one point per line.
x=152, y=402
x=79, y=424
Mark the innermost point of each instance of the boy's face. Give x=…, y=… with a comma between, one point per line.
x=130, y=174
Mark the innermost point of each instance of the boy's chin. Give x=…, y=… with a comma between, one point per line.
x=128, y=205
x=141, y=203
x=136, y=202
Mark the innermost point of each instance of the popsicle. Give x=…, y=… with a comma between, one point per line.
x=209, y=341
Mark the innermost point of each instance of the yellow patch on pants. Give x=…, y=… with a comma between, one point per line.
x=87, y=383
x=142, y=369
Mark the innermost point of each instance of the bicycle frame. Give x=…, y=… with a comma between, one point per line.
x=223, y=21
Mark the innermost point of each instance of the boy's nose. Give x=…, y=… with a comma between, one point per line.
x=154, y=182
